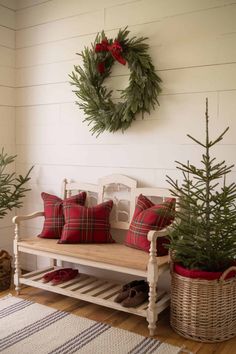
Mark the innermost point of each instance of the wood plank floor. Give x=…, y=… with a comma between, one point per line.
x=123, y=320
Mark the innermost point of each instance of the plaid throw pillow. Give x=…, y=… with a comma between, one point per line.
x=148, y=216
x=86, y=225
x=54, y=218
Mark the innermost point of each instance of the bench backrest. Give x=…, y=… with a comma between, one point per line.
x=122, y=190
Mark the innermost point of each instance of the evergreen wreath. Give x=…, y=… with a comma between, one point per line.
x=141, y=95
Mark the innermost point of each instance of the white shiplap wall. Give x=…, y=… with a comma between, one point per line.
x=7, y=100
x=192, y=44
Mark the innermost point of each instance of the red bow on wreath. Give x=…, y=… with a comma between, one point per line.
x=115, y=49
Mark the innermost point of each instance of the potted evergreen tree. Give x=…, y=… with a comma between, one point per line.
x=203, y=248
x=12, y=191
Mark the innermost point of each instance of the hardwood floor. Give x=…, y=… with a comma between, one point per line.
x=123, y=320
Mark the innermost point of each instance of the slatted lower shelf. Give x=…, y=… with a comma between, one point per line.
x=91, y=289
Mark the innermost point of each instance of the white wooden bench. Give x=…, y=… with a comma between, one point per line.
x=114, y=257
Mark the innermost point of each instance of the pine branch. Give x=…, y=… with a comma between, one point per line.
x=12, y=188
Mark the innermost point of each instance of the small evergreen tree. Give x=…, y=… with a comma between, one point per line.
x=204, y=232
x=12, y=188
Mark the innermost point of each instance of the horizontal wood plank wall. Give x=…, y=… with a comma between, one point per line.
x=192, y=44
x=7, y=100
x=9, y=4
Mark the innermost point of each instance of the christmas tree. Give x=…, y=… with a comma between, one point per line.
x=12, y=188
x=203, y=235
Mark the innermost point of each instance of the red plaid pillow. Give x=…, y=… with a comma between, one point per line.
x=148, y=216
x=54, y=218
x=86, y=225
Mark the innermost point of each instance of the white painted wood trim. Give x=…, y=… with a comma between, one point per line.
x=118, y=179
x=19, y=218
x=82, y=186
x=152, y=278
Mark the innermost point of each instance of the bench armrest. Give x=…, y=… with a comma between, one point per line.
x=19, y=218
x=153, y=235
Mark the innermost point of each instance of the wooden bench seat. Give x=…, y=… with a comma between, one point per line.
x=111, y=254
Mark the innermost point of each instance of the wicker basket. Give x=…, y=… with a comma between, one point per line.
x=204, y=310
x=5, y=270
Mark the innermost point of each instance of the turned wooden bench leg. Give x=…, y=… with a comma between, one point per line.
x=152, y=278
x=152, y=309
x=17, y=273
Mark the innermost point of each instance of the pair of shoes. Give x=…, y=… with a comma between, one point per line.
x=60, y=275
x=124, y=292
x=137, y=295
x=133, y=293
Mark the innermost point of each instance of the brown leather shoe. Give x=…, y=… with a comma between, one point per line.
x=124, y=291
x=137, y=295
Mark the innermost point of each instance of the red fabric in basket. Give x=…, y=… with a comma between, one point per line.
x=200, y=274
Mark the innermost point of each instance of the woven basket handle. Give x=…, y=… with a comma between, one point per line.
x=226, y=272
x=4, y=255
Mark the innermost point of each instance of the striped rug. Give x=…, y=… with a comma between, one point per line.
x=28, y=327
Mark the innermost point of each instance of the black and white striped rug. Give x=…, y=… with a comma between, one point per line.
x=28, y=327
